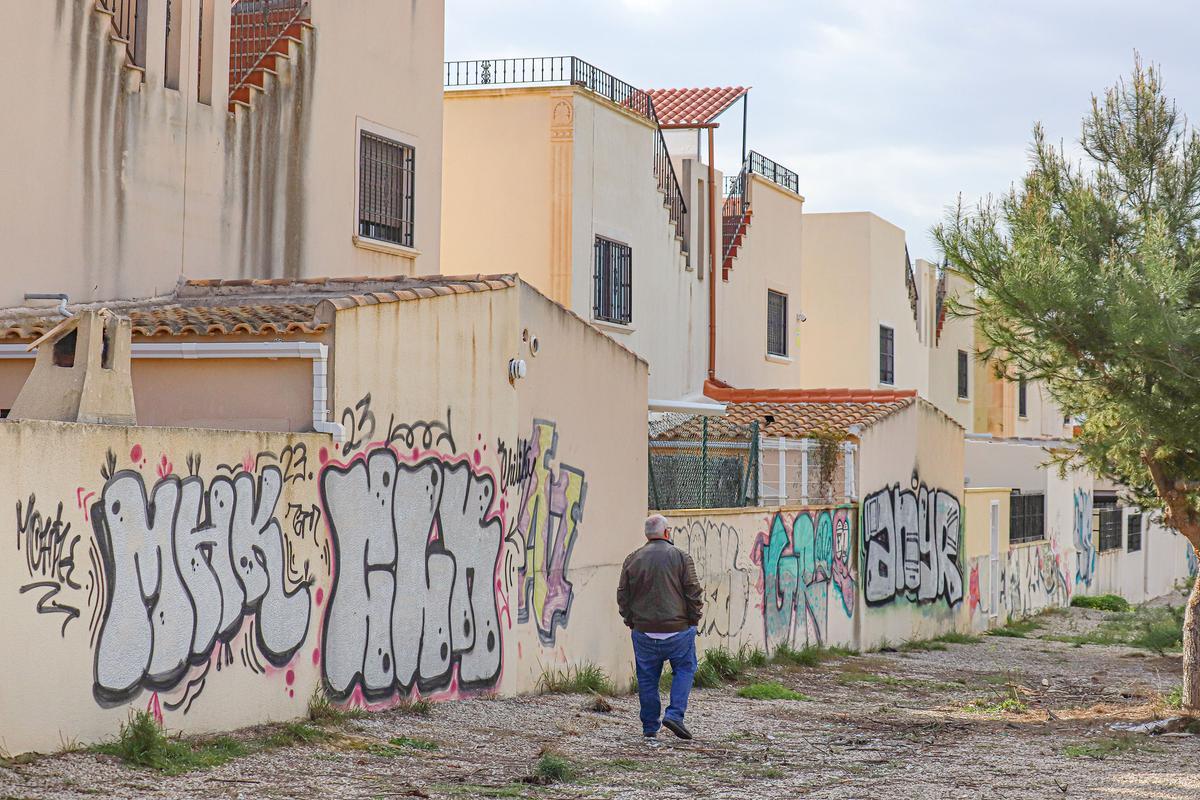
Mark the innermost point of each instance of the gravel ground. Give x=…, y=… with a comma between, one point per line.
x=918, y=725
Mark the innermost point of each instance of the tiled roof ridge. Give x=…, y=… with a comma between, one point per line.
x=726, y=394
x=694, y=105
x=334, y=284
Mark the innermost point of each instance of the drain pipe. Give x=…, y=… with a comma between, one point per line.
x=61, y=297
x=712, y=261
x=317, y=352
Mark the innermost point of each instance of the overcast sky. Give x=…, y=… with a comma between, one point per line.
x=880, y=105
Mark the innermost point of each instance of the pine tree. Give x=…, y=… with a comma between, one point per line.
x=1088, y=277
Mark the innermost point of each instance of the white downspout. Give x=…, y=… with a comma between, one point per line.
x=316, y=351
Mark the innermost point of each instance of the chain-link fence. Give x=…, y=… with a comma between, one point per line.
x=702, y=462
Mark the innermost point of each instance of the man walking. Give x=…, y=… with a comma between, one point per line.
x=660, y=598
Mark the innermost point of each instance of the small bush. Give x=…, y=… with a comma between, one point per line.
x=551, y=768
x=770, y=691
x=1174, y=698
x=142, y=743
x=582, y=679
x=1104, y=602
x=752, y=657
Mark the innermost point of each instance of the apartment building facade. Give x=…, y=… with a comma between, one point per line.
x=204, y=138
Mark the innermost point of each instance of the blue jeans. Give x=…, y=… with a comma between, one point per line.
x=649, y=655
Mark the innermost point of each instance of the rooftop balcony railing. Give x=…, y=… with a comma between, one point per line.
x=774, y=172
x=255, y=27
x=572, y=71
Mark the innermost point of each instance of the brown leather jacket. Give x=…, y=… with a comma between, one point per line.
x=659, y=591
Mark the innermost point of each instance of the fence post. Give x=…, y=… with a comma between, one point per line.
x=756, y=453
x=781, y=490
x=848, y=462
x=804, y=471
x=704, y=463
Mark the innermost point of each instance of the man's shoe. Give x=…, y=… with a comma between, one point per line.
x=678, y=728
x=650, y=734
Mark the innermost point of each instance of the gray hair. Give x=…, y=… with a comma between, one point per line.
x=656, y=525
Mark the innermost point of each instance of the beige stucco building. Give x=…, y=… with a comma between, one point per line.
x=134, y=163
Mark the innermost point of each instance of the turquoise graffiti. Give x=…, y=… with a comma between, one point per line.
x=1085, y=549
x=800, y=556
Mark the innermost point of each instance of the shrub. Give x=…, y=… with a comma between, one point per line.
x=1104, y=602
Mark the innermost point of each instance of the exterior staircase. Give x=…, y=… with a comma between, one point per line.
x=736, y=214
x=261, y=36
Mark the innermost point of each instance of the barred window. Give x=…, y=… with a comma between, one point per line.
x=776, y=323
x=1026, y=518
x=964, y=367
x=1134, y=541
x=612, y=298
x=386, y=184
x=887, y=355
x=1110, y=528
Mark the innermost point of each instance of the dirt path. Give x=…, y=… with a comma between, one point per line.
x=1000, y=718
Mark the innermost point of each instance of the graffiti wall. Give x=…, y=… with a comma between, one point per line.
x=773, y=576
x=217, y=579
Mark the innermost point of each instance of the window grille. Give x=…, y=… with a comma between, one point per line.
x=776, y=323
x=386, y=196
x=964, y=366
x=1134, y=541
x=1026, y=518
x=887, y=355
x=1110, y=528
x=612, y=299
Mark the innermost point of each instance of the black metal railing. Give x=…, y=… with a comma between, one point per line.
x=1026, y=518
x=129, y=21
x=733, y=212
x=572, y=71
x=774, y=172
x=910, y=283
x=668, y=184
x=255, y=27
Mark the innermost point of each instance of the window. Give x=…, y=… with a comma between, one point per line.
x=1110, y=528
x=963, y=370
x=174, y=44
x=1134, y=541
x=887, y=354
x=612, y=299
x=1022, y=398
x=776, y=323
x=1026, y=518
x=386, y=180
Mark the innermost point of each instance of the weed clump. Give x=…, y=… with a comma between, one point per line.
x=550, y=767
x=581, y=679
x=322, y=712
x=1017, y=629
x=1103, y=748
x=1104, y=602
x=770, y=691
x=142, y=743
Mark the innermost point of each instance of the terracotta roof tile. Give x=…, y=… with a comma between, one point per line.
x=222, y=307
x=683, y=107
